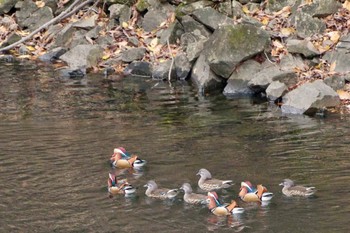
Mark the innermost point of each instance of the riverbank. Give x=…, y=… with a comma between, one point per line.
x=294, y=53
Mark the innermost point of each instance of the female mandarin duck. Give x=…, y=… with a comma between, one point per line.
x=193, y=198
x=289, y=189
x=249, y=194
x=119, y=186
x=122, y=159
x=207, y=183
x=160, y=193
x=222, y=209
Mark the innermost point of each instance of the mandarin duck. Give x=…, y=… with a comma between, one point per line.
x=119, y=186
x=207, y=183
x=290, y=189
x=219, y=209
x=193, y=198
x=250, y=194
x=160, y=193
x=122, y=159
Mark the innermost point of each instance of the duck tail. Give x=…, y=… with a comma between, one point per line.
x=261, y=190
x=231, y=206
x=132, y=159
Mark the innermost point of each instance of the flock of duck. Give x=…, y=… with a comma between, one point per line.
x=248, y=193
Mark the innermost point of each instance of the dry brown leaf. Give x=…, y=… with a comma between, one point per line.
x=287, y=31
x=285, y=11
x=332, y=67
x=343, y=95
x=346, y=5
x=40, y=4
x=245, y=9
x=334, y=36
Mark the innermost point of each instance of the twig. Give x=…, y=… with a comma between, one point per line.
x=172, y=60
x=68, y=12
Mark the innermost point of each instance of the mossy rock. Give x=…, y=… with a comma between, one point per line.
x=142, y=5
x=123, y=2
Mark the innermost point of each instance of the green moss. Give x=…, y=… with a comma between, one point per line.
x=141, y=5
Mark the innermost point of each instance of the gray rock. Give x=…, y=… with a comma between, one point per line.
x=188, y=9
x=53, y=54
x=12, y=38
x=211, y=18
x=120, y=13
x=64, y=36
x=307, y=26
x=133, y=54
x=182, y=66
x=237, y=84
x=283, y=72
x=322, y=8
x=203, y=78
x=161, y=71
x=172, y=33
x=141, y=68
x=7, y=5
x=303, y=47
x=231, y=44
x=276, y=90
x=82, y=56
x=190, y=25
x=344, y=42
x=309, y=98
x=340, y=57
x=87, y=24
x=32, y=17
x=276, y=5
x=152, y=19
x=337, y=82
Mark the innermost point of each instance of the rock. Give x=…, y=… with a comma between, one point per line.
x=237, y=84
x=32, y=17
x=142, y=5
x=12, y=38
x=283, y=72
x=306, y=25
x=133, y=54
x=53, y=54
x=87, y=24
x=155, y=16
x=344, y=42
x=211, y=18
x=276, y=90
x=336, y=82
x=187, y=9
x=7, y=5
x=309, y=98
x=64, y=36
x=203, y=78
x=303, y=47
x=161, y=71
x=322, y=8
x=172, y=33
x=190, y=25
x=339, y=57
x=82, y=56
x=276, y=5
x=120, y=13
x=140, y=68
x=182, y=66
x=231, y=44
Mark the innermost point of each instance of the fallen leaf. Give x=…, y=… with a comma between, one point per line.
x=346, y=5
x=287, y=31
x=40, y=4
x=30, y=48
x=333, y=65
x=343, y=95
x=334, y=36
x=125, y=25
x=245, y=9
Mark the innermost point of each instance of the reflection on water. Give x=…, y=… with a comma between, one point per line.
x=58, y=134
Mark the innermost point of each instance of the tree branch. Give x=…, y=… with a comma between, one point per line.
x=66, y=13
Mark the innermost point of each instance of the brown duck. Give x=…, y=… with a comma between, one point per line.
x=207, y=183
x=160, y=193
x=290, y=189
x=193, y=198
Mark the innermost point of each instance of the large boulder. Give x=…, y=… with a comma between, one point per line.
x=203, y=78
x=231, y=44
x=7, y=5
x=211, y=18
x=82, y=56
x=237, y=84
x=309, y=98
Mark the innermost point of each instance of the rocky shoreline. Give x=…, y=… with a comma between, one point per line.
x=294, y=53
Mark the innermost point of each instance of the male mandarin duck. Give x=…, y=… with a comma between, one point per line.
x=193, y=198
x=207, y=183
x=222, y=209
x=119, y=186
x=122, y=159
x=160, y=193
x=249, y=194
x=290, y=189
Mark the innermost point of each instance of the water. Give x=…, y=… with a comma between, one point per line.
x=57, y=135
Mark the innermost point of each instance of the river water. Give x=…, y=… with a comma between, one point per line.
x=57, y=135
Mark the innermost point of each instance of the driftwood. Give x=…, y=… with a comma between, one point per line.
x=66, y=13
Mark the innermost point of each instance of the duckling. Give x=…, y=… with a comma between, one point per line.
x=290, y=189
x=207, y=183
x=193, y=198
x=160, y=193
x=222, y=209
x=250, y=194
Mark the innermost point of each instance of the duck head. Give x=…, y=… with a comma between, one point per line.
x=204, y=173
x=287, y=183
x=186, y=187
x=151, y=185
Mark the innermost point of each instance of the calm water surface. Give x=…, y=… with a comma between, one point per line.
x=57, y=135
